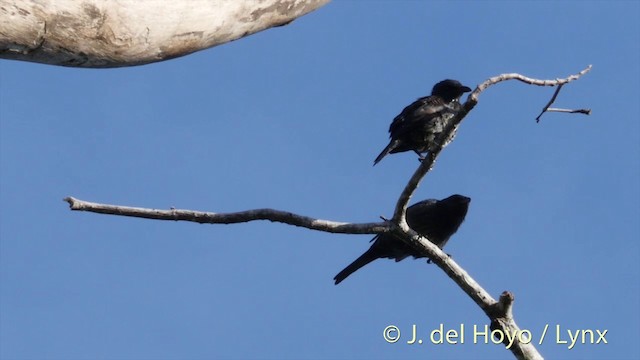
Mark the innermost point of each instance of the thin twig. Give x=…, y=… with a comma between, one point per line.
x=570, y=111
x=473, y=97
x=553, y=98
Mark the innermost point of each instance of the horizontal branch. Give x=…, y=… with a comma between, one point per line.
x=231, y=218
x=570, y=111
x=472, y=100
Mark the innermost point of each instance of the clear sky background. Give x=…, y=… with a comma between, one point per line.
x=292, y=118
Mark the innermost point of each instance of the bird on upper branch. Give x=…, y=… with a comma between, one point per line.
x=419, y=126
x=438, y=220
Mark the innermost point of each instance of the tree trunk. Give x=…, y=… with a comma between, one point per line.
x=101, y=34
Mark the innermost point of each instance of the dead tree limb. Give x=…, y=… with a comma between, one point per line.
x=201, y=217
x=103, y=34
x=499, y=312
x=553, y=99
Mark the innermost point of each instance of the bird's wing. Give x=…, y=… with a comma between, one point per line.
x=390, y=247
x=422, y=204
x=421, y=110
x=437, y=220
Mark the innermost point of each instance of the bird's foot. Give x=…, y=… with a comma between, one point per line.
x=422, y=155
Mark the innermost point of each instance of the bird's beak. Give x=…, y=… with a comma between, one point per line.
x=465, y=89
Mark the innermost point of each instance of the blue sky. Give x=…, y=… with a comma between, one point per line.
x=292, y=118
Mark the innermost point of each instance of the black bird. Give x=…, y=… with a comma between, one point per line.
x=419, y=125
x=435, y=219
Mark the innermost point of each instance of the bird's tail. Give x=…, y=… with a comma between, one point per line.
x=387, y=150
x=384, y=152
x=363, y=260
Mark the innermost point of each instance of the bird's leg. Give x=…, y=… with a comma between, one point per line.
x=421, y=155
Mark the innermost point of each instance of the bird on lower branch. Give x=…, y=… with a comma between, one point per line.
x=437, y=220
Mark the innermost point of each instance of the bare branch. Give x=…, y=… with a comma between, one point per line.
x=480, y=296
x=571, y=111
x=502, y=320
x=231, y=218
x=399, y=214
x=499, y=312
x=473, y=97
x=553, y=99
x=450, y=132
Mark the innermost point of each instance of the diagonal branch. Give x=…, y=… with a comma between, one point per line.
x=553, y=99
x=231, y=218
x=401, y=205
x=499, y=312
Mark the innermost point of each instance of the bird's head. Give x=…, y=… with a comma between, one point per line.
x=457, y=200
x=438, y=219
x=449, y=90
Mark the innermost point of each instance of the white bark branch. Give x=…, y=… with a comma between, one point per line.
x=499, y=312
x=499, y=315
x=99, y=33
x=527, y=80
x=570, y=111
x=231, y=218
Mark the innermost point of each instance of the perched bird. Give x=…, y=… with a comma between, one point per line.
x=419, y=125
x=435, y=219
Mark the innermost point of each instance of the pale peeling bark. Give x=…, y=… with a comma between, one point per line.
x=115, y=33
